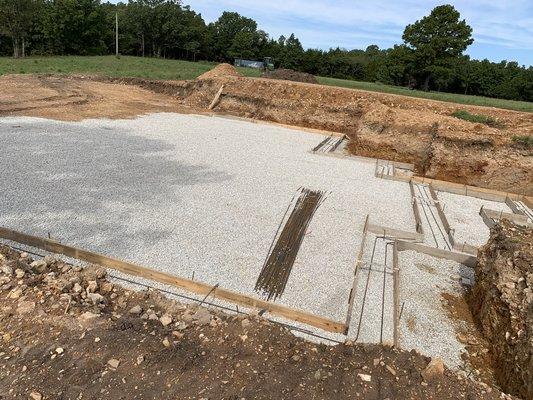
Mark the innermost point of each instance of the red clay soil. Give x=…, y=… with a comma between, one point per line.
x=69, y=333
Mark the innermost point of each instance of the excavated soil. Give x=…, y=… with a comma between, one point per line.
x=378, y=125
x=502, y=301
x=69, y=333
x=290, y=75
x=74, y=99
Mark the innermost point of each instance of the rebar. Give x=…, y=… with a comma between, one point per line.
x=279, y=261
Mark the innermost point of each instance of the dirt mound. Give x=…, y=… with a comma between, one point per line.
x=221, y=70
x=502, y=301
x=68, y=332
x=290, y=75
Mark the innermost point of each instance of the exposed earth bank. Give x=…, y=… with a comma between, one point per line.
x=502, y=301
x=68, y=333
x=392, y=127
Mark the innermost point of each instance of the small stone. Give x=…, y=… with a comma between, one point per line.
x=136, y=310
x=36, y=396
x=96, y=298
x=7, y=270
x=19, y=273
x=181, y=326
x=106, y=287
x=245, y=323
x=77, y=288
x=39, y=266
x=365, y=377
x=391, y=370
x=295, y=357
x=140, y=359
x=92, y=287
x=25, y=307
x=435, y=368
x=166, y=342
x=60, y=350
x=166, y=319
x=202, y=316
x=113, y=363
x=86, y=316
x=23, y=255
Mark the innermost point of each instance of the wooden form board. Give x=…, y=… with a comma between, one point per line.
x=511, y=204
x=217, y=98
x=467, y=190
x=358, y=262
x=395, y=296
x=171, y=280
x=416, y=210
x=518, y=219
x=463, y=258
x=394, y=233
x=461, y=247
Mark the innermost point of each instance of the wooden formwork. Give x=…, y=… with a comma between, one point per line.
x=461, y=247
x=358, y=262
x=489, y=216
x=175, y=281
x=463, y=258
x=416, y=211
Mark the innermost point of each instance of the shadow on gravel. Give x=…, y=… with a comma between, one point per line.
x=80, y=182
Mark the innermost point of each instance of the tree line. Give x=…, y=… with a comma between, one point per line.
x=430, y=57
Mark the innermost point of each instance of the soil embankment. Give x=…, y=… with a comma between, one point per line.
x=392, y=127
x=502, y=301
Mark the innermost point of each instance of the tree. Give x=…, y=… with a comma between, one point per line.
x=16, y=19
x=225, y=30
x=436, y=40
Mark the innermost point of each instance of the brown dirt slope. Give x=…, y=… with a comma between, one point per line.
x=68, y=333
x=502, y=301
x=388, y=126
x=290, y=75
x=379, y=125
x=74, y=99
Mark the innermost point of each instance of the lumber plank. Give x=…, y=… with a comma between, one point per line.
x=217, y=98
x=395, y=296
x=416, y=211
x=351, y=297
x=171, y=280
x=394, y=233
x=463, y=258
x=497, y=215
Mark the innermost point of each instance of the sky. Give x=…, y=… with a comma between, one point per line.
x=502, y=29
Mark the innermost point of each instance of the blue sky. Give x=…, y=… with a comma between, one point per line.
x=503, y=30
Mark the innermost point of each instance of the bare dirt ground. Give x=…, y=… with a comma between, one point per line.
x=76, y=99
x=69, y=333
x=379, y=125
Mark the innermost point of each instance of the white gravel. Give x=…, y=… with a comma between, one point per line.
x=202, y=195
x=463, y=216
x=425, y=324
x=194, y=194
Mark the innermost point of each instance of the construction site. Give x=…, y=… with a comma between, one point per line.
x=235, y=237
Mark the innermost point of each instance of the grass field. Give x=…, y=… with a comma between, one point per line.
x=174, y=69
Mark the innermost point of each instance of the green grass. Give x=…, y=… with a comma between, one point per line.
x=450, y=97
x=523, y=141
x=477, y=118
x=154, y=68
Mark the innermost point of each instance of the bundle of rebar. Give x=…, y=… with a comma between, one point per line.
x=281, y=256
